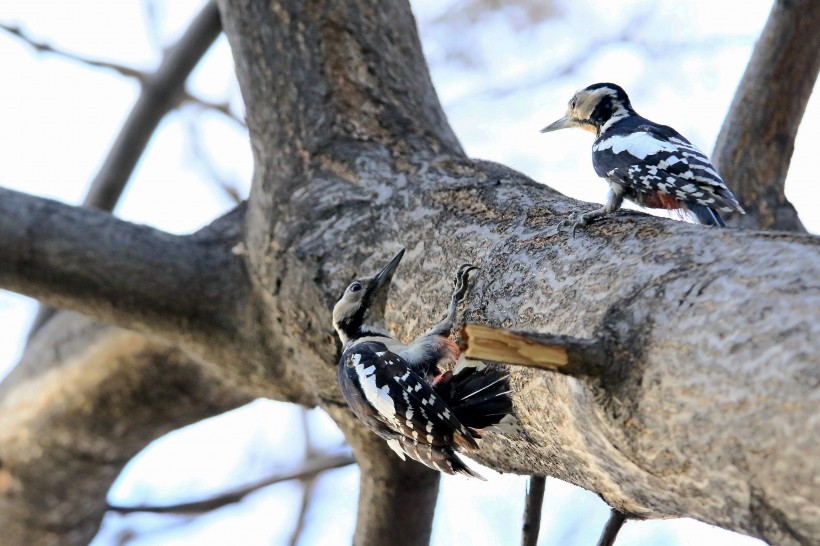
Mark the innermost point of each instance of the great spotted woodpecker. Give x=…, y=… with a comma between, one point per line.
x=650, y=164
x=415, y=396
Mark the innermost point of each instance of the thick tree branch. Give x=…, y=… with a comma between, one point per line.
x=356, y=74
x=341, y=181
x=672, y=289
x=132, y=275
x=756, y=142
x=309, y=469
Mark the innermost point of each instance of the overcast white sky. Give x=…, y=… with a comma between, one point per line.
x=500, y=76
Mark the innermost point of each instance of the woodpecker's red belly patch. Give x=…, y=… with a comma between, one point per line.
x=658, y=200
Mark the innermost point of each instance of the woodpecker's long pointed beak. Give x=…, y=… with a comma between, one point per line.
x=379, y=287
x=562, y=123
x=386, y=275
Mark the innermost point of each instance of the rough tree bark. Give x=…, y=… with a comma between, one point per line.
x=709, y=406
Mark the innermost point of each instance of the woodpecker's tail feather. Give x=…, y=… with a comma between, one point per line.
x=479, y=396
x=706, y=216
x=439, y=458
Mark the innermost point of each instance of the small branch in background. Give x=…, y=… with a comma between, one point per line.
x=612, y=528
x=223, y=108
x=566, y=67
x=532, y=511
x=307, y=483
x=43, y=47
x=563, y=354
x=161, y=92
x=122, y=70
x=756, y=142
x=310, y=469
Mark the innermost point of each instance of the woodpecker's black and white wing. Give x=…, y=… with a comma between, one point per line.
x=657, y=167
x=399, y=405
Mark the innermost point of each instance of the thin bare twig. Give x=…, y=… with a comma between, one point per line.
x=43, y=47
x=141, y=76
x=149, y=9
x=532, y=511
x=223, y=107
x=310, y=469
x=308, y=484
x=612, y=528
x=203, y=161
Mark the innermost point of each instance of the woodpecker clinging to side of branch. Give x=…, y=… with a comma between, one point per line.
x=650, y=164
x=400, y=392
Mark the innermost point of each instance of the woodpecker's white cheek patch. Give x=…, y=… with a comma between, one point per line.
x=640, y=145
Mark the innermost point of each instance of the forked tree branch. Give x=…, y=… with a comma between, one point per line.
x=43, y=47
x=121, y=69
x=756, y=142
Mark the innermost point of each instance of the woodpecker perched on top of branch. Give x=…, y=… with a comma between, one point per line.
x=399, y=390
x=650, y=164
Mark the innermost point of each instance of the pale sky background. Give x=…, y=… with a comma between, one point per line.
x=501, y=76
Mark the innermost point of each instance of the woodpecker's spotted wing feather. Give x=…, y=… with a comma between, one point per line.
x=438, y=458
x=397, y=396
x=657, y=167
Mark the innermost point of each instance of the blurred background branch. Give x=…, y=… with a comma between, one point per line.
x=756, y=142
x=307, y=472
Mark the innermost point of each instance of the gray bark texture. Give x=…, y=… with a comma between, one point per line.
x=708, y=407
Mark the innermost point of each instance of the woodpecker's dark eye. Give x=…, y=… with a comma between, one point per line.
x=572, y=103
x=354, y=287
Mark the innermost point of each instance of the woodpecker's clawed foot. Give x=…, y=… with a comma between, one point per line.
x=461, y=282
x=572, y=224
